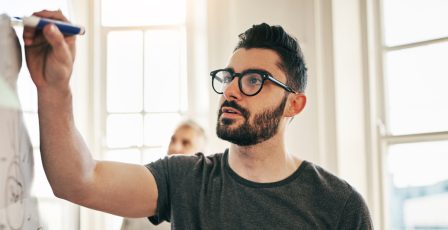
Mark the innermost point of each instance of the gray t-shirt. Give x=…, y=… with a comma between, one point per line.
x=203, y=192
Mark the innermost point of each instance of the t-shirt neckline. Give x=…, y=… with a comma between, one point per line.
x=249, y=183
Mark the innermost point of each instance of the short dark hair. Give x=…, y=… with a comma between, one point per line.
x=286, y=46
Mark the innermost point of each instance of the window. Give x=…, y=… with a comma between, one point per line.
x=415, y=50
x=143, y=91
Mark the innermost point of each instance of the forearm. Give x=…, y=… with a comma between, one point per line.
x=75, y=176
x=66, y=159
x=72, y=172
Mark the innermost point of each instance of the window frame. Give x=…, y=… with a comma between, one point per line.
x=195, y=105
x=381, y=139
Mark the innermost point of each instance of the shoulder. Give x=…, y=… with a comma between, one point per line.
x=182, y=162
x=327, y=187
x=353, y=210
x=323, y=179
x=184, y=172
x=194, y=159
x=329, y=183
x=355, y=214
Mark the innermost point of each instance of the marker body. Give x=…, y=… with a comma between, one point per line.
x=65, y=27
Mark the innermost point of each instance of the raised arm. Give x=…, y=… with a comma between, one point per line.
x=117, y=188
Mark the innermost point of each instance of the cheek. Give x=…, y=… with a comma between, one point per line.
x=221, y=99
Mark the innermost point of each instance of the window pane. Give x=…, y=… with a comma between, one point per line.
x=58, y=214
x=124, y=71
x=153, y=154
x=142, y=12
x=31, y=121
x=124, y=130
x=418, y=187
x=112, y=221
x=27, y=91
x=416, y=85
x=56, y=209
x=40, y=187
x=407, y=21
x=159, y=128
x=164, y=53
x=126, y=155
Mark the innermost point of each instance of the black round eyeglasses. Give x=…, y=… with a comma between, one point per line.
x=250, y=82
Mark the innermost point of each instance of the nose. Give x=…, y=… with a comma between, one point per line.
x=175, y=148
x=232, y=91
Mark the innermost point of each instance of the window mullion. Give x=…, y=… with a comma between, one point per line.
x=143, y=111
x=419, y=137
x=416, y=44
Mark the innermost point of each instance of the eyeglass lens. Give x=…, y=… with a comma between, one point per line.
x=249, y=83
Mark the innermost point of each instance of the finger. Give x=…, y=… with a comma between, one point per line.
x=29, y=33
x=60, y=44
x=57, y=15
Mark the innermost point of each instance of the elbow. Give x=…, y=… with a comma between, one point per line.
x=74, y=187
x=59, y=193
x=62, y=194
x=75, y=193
x=71, y=195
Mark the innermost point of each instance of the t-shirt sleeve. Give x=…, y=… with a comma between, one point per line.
x=159, y=171
x=355, y=214
x=168, y=173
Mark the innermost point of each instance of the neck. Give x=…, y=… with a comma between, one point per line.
x=264, y=162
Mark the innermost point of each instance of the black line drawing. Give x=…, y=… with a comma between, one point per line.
x=18, y=208
x=14, y=192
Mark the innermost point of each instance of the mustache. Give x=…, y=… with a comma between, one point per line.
x=234, y=105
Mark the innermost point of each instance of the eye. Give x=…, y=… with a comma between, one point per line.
x=186, y=143
x=253, y=79
x=224, y=77
x=227, y=79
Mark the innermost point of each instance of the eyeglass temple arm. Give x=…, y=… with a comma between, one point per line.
x=213, y=74
x=279, y=83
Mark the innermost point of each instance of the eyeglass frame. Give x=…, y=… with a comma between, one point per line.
x=264, y=74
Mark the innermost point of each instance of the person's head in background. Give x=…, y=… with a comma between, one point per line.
x=188, y=138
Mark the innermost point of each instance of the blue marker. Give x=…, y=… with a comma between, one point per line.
x=39, y=23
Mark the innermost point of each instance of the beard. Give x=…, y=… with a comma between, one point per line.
x=263, y=127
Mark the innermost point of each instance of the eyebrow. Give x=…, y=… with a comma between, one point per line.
x=257, y=69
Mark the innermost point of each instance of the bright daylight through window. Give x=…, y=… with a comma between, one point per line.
x=144, y=79
x=415, y=49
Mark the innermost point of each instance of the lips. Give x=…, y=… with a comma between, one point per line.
x=230, y=110
x=229, y=113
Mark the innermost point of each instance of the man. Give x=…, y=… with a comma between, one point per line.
x=254, y=184
x=188, y=138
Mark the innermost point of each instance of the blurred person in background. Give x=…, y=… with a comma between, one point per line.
x=188, y=138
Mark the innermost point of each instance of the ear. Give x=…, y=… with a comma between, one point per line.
x=295, y=104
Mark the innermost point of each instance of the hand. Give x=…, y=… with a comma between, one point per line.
x=49, y=55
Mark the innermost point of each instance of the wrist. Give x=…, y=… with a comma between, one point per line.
x=53, y=95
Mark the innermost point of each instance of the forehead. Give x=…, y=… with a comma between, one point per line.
x=255, y=58
x=185, y=132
